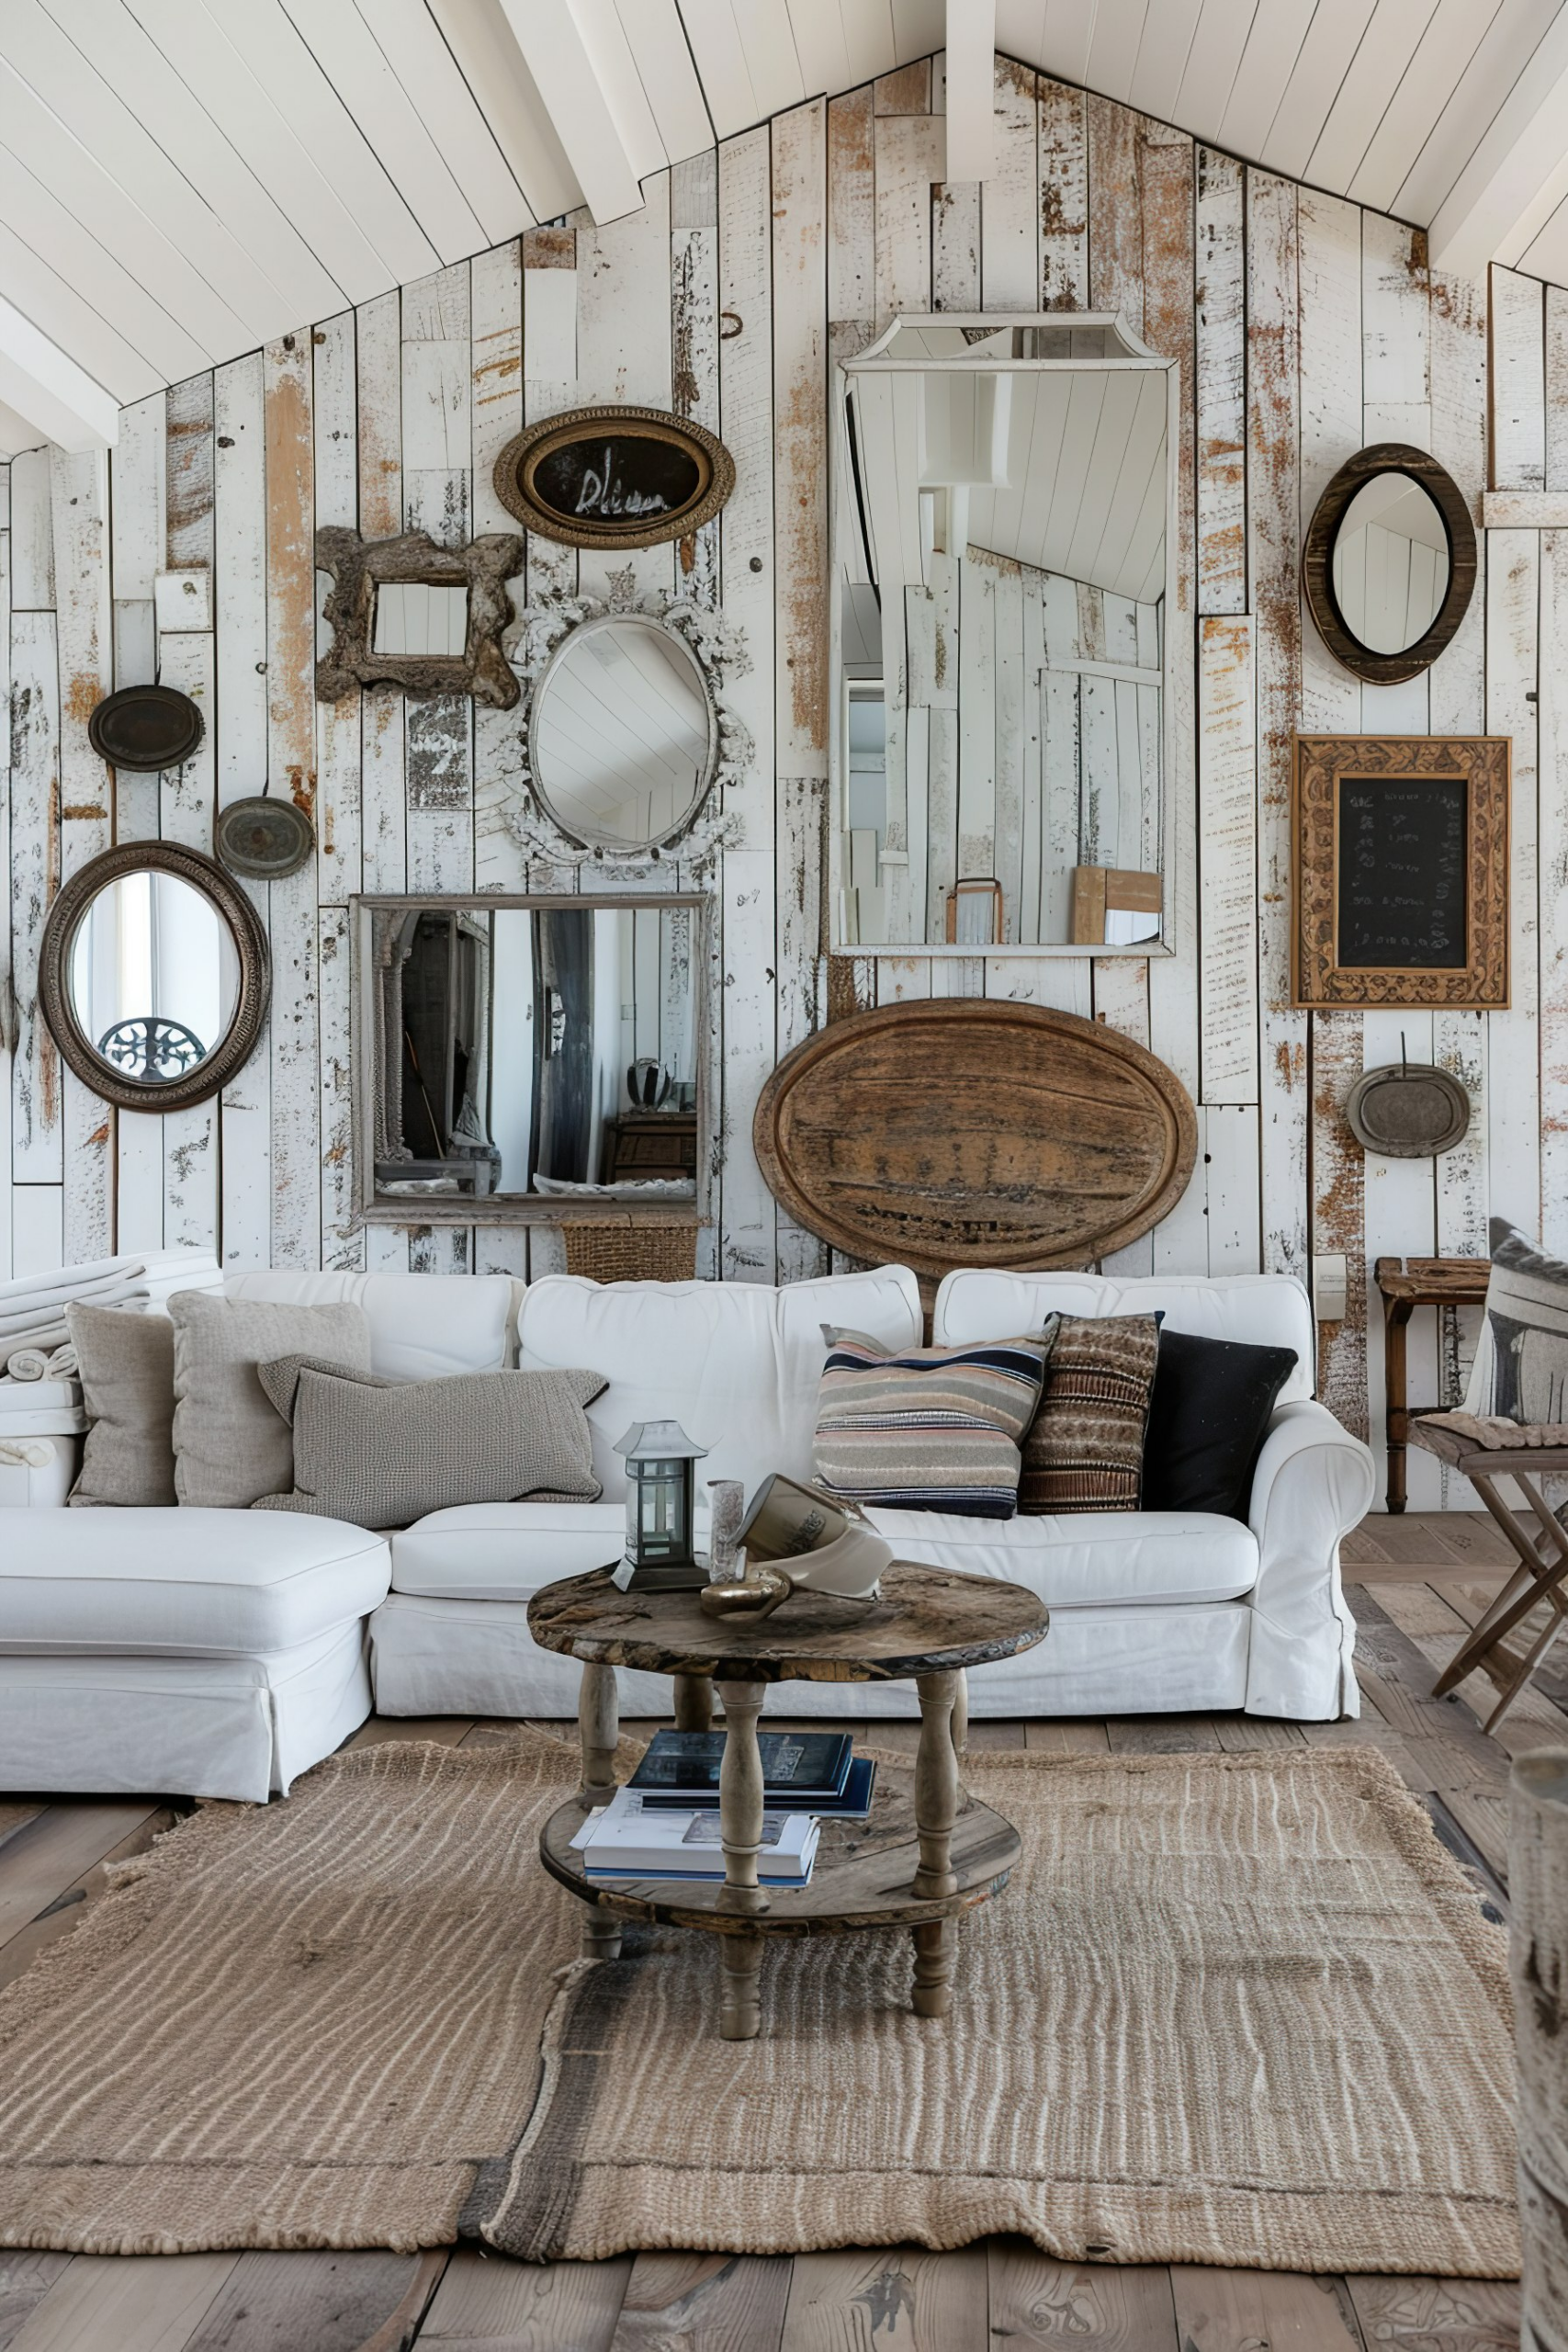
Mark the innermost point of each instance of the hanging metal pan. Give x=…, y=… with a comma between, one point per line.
x=264, y=839
x=144, y=728
x=1408, y=1111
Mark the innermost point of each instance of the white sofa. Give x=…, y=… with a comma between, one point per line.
x=221, y=1653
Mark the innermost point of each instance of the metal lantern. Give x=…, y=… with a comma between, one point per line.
x=660, y=1499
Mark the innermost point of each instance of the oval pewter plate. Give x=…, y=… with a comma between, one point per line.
x=963, y=1131
x=1407, y=1111
x=144, y=728
x=264, y=839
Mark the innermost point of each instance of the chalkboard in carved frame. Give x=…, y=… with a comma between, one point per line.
x=1399, y=861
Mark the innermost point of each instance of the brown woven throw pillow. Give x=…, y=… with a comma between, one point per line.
x=1084, y=1449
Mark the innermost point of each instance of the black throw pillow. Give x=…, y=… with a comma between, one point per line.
x=1208, y=1416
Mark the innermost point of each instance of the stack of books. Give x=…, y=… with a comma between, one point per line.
x=665, y=1823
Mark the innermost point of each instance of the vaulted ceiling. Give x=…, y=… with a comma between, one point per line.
x=181, y=180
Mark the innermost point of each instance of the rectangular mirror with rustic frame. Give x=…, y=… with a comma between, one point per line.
x=530, y=1059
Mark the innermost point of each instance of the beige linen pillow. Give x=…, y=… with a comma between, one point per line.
x=383, y=1453
x=229, y=1444
x=126, y=1363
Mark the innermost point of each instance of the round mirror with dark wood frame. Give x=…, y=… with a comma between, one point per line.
x=153, y=976
x=1389, y=565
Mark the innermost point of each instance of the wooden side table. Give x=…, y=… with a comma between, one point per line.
x=927, y=1853
x=1405, y=1284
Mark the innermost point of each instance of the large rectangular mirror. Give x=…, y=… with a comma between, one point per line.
x=529, y=1059
x=1003, y=548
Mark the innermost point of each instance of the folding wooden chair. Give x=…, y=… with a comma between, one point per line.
x=1542, y=1552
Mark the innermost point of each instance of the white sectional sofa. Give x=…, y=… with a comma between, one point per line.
x=221, y=1653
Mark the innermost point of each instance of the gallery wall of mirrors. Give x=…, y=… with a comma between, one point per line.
x=1001, y=559
x=541, y=1056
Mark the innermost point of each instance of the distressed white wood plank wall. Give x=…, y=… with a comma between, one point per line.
x=1303, y=325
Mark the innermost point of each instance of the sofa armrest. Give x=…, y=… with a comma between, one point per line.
x=1313, y=1482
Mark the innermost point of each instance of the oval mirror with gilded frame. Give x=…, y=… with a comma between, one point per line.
x=1389, y=565
x=153, y=976
x=623, y=736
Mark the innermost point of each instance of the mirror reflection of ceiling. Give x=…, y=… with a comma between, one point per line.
x=1064, y=472
x=621, y=734
x=508, y=1041
x=154, y=979
x=1391, y=564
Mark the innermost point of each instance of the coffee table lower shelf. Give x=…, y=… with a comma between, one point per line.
x=863, y=1877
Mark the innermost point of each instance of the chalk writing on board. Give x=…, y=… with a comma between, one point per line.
x=616, y=479
x=1402, y=873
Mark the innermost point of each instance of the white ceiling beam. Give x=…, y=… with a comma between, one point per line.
x=971, y=89
x=560, y=42
x=1517, y=176
x=48, y=391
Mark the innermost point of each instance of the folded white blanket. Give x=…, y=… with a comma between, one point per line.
x=44, y=1305
x=44, y=1338
x=26, y=1286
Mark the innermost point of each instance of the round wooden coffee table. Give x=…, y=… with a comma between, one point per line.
x=928, y=1853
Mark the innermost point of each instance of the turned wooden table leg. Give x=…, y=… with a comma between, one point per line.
x=740, y=1826
x=693, y=1702
x=740, y=1794
x=936, y=1809
x=961, y=1714
x=1396, y=1314
x=740, y=2014
x=599, y=1725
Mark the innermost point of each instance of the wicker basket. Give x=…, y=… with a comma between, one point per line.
x=631, y=1253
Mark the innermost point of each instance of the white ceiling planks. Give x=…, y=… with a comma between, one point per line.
x=181, y=180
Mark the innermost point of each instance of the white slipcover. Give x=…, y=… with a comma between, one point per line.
x=737, y=1365
x=182, y=1583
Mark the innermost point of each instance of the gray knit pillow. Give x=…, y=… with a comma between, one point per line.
x=384, y=1452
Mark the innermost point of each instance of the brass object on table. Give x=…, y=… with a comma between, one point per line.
x=756, y=1594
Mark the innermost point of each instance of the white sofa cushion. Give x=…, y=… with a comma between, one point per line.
x=1095, y=1559
x=738, y=1364
x=421, y=1325
x=1266, y=1310
x=182, y=1583
x=504, y=1551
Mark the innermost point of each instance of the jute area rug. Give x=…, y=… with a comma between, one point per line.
x=1232, y=2009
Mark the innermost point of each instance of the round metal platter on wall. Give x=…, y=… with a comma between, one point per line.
x=145, y=728
x=614, y=477
x=264, y=839
x=1407, y=1111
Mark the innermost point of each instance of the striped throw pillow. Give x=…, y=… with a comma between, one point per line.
x=1085, y=1451
x=931, y=1428
x=1521, y=1374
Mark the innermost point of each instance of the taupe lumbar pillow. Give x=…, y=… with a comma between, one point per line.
x=229, y=1444
x=384, y=1452
x=126, y=1365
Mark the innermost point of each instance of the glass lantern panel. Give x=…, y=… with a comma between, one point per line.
x=660, y=1492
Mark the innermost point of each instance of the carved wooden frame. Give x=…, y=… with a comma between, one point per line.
x=360, y=566
x=1317, y=561
x=232, y=906
x=1319, y=980
x=519, y=461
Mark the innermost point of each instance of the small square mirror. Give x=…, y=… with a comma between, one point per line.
x=418, y=618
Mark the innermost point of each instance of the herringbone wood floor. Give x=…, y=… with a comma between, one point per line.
x=1414, y=1583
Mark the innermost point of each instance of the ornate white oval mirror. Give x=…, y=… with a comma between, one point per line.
x=623, y=737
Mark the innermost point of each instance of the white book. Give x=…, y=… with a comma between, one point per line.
x=627, y=1840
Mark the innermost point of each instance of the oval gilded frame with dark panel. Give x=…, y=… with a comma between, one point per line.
x=193, y=1080
x=1367, y=466
x=614, y=477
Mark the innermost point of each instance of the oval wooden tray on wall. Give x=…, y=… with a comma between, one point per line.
x=973, y=1132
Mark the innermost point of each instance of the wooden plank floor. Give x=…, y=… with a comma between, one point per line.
x=1414, y=1583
